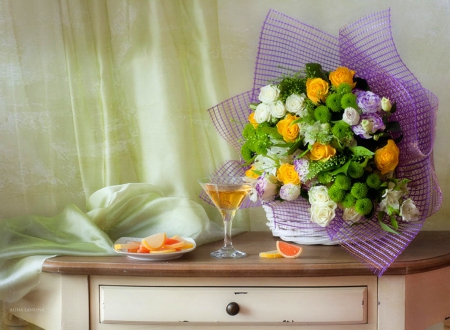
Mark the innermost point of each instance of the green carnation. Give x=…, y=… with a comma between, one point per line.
x=343, y=182
x=322, y=114
x=373, y=181
x=355, y=170
x=336, y=194
x=344, y=88
x=363, y=206
x=334, y=102
x=349, y=101
x=348, y=201
x=359, y=190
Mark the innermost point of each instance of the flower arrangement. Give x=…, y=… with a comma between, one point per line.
x=326, y=137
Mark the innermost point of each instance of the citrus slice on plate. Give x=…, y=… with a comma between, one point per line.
x=154, y=242
x=289, y=250
x=270, y=254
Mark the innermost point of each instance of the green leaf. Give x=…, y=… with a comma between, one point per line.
x=314, y=70
x=294, y=147
x=272, y=131
x=342, y=169
x=394, y=222
x=361, y=151
x=384, y=226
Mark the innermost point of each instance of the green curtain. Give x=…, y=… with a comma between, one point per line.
x=95, y=93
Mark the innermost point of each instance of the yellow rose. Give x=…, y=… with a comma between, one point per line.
x=316, y=89
x=252, y=120
x=286, y=173
x=321, y=152
x=386, y=158
x=342, y=75
x=250, y=173
x=288, y=130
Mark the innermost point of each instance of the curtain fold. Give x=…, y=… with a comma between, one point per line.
x=100, y=93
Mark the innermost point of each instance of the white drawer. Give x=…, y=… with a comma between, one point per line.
x=257, y=305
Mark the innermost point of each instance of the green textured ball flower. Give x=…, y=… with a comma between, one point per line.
x=324, y=177
x=248, y=131
x=373, y=181
x=341, y=130
x=349, y=101
x=343, y=182
x=344, y=88
x=336, y=194
x=359, y=190
x=348, y=201
x=334, y=102
x=363, y=206
x=322, y=114
x=355, y=170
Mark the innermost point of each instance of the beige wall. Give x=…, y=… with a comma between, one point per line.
x=421, y=31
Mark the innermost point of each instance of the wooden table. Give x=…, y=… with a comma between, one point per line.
x=326, y=288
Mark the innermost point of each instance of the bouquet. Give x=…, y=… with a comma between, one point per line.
x=326, y=137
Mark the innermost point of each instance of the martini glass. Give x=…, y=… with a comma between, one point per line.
x=227, y=193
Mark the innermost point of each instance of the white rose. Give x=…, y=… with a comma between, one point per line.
x=318, y=195
x=351, y=116
x=294, y=103
x=290, y=191
x=409, y=211
x=386, y=104
x=266, y=188
x=262, y=113
x=350, y=215
x=277, y=109
x=323, y=213
x=268, y=94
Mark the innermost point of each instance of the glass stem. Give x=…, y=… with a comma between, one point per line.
x=227, y=224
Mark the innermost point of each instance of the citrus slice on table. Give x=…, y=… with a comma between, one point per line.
x=154, y=242
x=288, y=250
x=270, y=254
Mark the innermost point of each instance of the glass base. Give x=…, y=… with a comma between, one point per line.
x=228, y=253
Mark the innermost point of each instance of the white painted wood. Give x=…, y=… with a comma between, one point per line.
x=391, y=302
x=58, y=302
x=158, y=305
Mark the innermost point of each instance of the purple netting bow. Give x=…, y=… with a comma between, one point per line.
x=367, y=47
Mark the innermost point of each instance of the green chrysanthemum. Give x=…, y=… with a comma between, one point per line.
x=363, y=206
x=334, y=102
x=348, y=201
x=355, y=170
x=341, y=130
x=248, y=131
x=344, y=88
x=246, y=153
x=349, y=101
x=343, y=182
x=373, y=181
x=359, y=190
x=336, y=194
x=322, y=114
x=324, y=177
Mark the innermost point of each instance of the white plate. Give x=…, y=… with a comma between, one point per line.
x=151, y=256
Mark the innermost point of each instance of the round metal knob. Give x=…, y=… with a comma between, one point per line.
x=232, y=308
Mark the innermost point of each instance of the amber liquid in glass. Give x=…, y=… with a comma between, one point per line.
x=227, y=199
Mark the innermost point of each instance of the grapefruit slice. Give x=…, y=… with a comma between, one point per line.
x=289, y=250
x=270, y=254
x=154, y=242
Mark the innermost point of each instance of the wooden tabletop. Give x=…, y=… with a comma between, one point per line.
x=428, y=251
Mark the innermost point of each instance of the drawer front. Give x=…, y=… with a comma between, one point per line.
x=266, y=305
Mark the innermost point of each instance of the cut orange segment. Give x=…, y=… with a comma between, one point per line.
x=288, y=250
x=133, y=245
x=154, y=242
x=270, y=254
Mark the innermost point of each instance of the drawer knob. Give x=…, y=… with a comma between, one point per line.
x=232, y=308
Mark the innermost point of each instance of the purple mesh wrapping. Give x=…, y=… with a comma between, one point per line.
x=367, y=47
